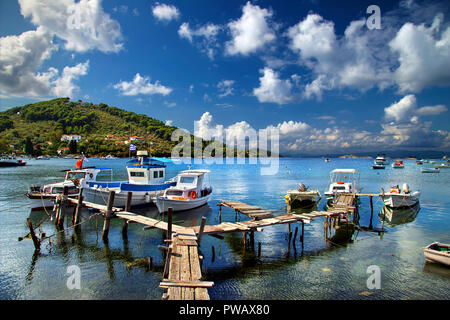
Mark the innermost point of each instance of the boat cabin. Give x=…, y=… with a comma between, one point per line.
x=343, y=181
x=189, y=181
x=146, y=170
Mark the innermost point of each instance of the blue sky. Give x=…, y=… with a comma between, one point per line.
x=312, y=69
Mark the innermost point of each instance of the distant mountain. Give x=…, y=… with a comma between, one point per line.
x=421, y=154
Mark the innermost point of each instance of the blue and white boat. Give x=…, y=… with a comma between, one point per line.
x=146, y=180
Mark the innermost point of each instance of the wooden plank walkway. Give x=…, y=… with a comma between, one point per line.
x=254, y=212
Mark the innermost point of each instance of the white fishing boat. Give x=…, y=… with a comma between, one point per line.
x=192, y=190
x=381, y=159
x=146, y=180
x=343, y=181
x=398, y=164
x=398, y=198
x=430, y=170
x=43, y=197
x=301, y=198
x=11, y=162
x=438, y=252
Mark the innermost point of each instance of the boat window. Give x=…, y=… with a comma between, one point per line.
x=187, y=179
x=338, y=188
x=137, y=174
x=161, y=173
x=155, y=174
x=174, y=192
x=57, y=190
x=76, y=175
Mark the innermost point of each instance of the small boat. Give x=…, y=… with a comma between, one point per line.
x=301, y=198
x=327, y=160
x=110, y=157
x=191, y=191
x=397, y=198
x=43, y=197
x=418, y=162
x=381, y=159
x=11, y=162
x=398, y=164
x=443, y=166
x=438, y=252
x=378, y=166
x=430, y=170
x=145, y=180
x=342, y=181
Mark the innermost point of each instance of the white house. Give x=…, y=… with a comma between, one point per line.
x=71, y=137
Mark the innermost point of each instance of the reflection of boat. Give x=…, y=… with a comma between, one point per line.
x=145, y=181
x=430, y=170
x=437, y=269
x=343, y=181
x=301, y=198
x=399, y=215
x=381, y=159
x=378, y=166
x=42, y=197
x=11, y=162
x=438, y=252
x=398, y=164
x=191, y=191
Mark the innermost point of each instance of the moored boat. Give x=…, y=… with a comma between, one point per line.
x=398, y=164
x=191, y=191
x=342, y=181
x=438, y=252
x=398, y=198
x=11, y=162
x=301, y=198
x=381, y=159
x=430, y=170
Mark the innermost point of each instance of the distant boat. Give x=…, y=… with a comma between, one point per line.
x=397, y=198
x=438, y=252
x=443, y=166
x=11, y=162
x=430, y=170
x=327, y=160
x=398, y=164
x=381, y=159
x=378, y=166
x=418, y=162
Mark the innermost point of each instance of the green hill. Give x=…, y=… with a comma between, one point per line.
x=103, y=129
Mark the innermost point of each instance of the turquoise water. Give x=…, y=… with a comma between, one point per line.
x=319, y=270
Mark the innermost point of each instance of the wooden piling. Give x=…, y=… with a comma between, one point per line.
x=259, y=249
x=213, y=254
x=200, y=233
x=108, y=214
x=36, y=242
x=303, y=230
x=295, y=234
x=77, y=213
x=371, y=212
x=169, y=224
x=127, y=209
x=63, y=208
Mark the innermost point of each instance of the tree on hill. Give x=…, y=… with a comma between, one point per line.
x=28, y=147
x=73, y=147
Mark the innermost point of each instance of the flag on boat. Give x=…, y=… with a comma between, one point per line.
x=132, y=147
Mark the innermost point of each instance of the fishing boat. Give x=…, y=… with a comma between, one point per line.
x=398, y=164
x=192, y=190
x=302, y=197
x=438, y=252
x=343, y=181
x=378, y=166
x=11, y=162
x=430, y=170
x=327, y=159
x=43, y=197
x=381, y=159
x=146, y=180
x=398, y=198
x=419, y=162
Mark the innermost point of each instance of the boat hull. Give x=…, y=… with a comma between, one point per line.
x=399, y=201
x=298, y=199
x=178, y=205
x=139, y=198
x=441, y=257
x=38, y=203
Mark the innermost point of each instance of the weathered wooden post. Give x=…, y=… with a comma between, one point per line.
x=371, y=212
x=259, y=249
x=77, y=213
x=303, y=230
x=169, y=224
x=108, y=214
x=127, y=209
x=36, y=242
x=200, y=232
x=295, y=234
x=252, y=239
x=213, y=254
x=63, y=208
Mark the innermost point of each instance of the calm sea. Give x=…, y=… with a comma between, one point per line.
x=318, y=270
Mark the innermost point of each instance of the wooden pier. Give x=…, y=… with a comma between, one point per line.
x=182, y=270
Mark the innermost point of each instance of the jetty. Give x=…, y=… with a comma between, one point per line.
x=182, y=275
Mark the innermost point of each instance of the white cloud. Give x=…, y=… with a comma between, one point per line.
x=406, y=110
x=169, y=122
x=206, y=36
x=251, y=31
x=432, y=110
x=82, y=25
x=165, y=12
x=225, y=88
x=272, y=88
x=141, y=85
x=424, y=56
x=64, y=86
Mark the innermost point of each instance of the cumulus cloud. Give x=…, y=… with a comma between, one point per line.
x=141, y=85
x=165, y=12
x=272, y=88
x=205, y=37
x=251, y=31
x=82, y=25
x=168, y=122
x=405, y=110
x=63, y=86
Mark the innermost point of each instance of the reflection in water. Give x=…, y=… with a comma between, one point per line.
x=399, y=216
x=436, y=268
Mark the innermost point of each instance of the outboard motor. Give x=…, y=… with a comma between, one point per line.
x=302, y=187
x=405, y=188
